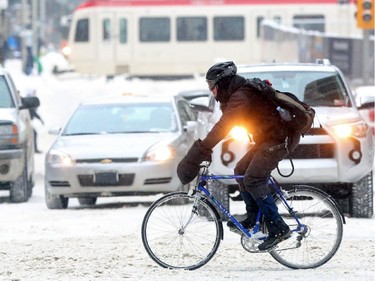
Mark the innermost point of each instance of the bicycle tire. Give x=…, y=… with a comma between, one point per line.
x=171, y=246
x=319, y=244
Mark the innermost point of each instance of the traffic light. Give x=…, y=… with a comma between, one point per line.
x=365, y=14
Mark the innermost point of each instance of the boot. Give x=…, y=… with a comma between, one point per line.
x=247, y=223
x=278, y=231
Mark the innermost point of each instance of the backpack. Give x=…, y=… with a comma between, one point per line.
x=294, y=113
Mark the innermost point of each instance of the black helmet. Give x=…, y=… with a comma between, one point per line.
x=219, y=71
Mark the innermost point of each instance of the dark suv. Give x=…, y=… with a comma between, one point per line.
x=336, y=155
x=16, y=140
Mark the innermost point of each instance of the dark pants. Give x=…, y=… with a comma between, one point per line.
x=35, y=141
x=256, y=166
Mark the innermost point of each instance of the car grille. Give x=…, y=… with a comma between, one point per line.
x=157, y=181
x=313, y=151
x=59, y=183
x=123, y=180
x=111, y=160
x=316, y=132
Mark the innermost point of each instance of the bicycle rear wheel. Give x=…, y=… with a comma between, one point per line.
x=178, y=236
x=320, y=240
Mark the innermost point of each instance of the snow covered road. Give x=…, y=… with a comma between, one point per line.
x=104, y=242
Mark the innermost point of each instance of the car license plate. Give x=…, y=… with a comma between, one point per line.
x=106, y=178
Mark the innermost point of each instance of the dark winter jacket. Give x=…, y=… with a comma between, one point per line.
x=242, y=106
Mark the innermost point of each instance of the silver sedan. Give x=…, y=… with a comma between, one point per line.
x=117, y=146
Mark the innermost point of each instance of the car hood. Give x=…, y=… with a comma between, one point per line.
x=329, y=115
x=111, y=145
x=335, y=115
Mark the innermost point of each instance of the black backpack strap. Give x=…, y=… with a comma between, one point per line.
x=280, y=146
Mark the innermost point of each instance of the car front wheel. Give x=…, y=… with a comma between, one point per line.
x=361, y=198
x=56, y=201
x=19, y=189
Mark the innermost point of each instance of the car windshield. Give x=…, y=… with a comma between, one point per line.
x=122, y=118
x=6, y=100
x=313, y=87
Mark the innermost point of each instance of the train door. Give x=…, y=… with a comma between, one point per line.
x=105, y=41
x=114, y=45
x=124, y=28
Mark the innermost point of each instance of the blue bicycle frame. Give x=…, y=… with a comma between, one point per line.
x=202, y=183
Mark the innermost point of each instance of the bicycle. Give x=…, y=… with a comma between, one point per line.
x=183, y=230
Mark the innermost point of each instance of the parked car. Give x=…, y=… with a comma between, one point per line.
x=337, y=153
x=16, y=140
x=119, y=146
x=366, y=95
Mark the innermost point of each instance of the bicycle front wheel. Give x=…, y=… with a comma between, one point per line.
x=321, y=235
x=177, y=235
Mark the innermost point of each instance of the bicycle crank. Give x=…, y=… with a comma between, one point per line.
x=251, y=244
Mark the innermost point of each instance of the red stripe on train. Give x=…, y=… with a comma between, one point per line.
x=101, y=3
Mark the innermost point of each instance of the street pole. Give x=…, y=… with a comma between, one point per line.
x=43, y=21
x=24, y=22
x=35, y=26
x=365, y=57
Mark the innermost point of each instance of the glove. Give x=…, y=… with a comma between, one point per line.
x=189, y=166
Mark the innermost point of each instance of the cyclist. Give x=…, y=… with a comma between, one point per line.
x=241, y=105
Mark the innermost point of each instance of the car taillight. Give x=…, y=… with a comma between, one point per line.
x=371, y=115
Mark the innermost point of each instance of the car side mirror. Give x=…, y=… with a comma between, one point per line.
x=29, y=102
x=201, y=104
x=366, y=102
x=54, y=130
x=367, y=105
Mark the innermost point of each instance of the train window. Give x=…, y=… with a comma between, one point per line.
x=277, y=19
x=82, y=31
x=229, y=28
x=123, y=36
x=259, y=25
x=309, y=22
x=106, y=30
x=191, y=28
x=154, y=29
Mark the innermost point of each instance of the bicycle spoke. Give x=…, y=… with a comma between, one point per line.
x=175, y=237
x=323, y=233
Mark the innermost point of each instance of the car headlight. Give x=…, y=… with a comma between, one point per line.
x=9, y=133
x=239, y=133
x=161, y=153
x=358, y=130
x=67, y=51
x=57, y=157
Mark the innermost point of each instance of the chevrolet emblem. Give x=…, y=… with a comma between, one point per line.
x=106, y=161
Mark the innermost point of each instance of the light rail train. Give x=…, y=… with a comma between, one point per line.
x=184, y=37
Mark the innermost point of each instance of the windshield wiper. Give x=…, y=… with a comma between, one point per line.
x=132, y=132
x=80, y=134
